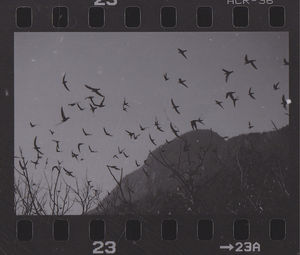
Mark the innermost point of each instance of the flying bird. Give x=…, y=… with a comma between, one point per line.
x=116, y=157
x=142, y=128
x=79, y=146
x=91, y=150
x=94, y=90
x=175, y=107
x=69, y=173
x=157, y=125
x=219, y=103
x=32, y=125
x=230, y=94
x=234, y=100
x=125, y=155
x=93, y=108
x=63, y=116
x=227, y=74
x=101, y=105
x=131, y=134
x=120, y=150
x=250, y=126
x=135, y=137
x=85, y=133
x=79, y=107
x=276, y=86
x=251, y=62
x=152, y=140
x=174, y=130
x=74, y=155
x=194, y=123
x=113, y=167
x=285, y=62
x=106, y=132
x=166, y=77
x=73, y=104
x=125, y=105
x=51, y=131
x=251, y=94
x=182, y=82
x=182, y=52
x=64, y=82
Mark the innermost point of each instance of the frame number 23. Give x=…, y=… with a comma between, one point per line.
x=108, y=247
x=106, y=2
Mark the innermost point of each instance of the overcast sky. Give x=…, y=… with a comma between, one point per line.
x=132, y=65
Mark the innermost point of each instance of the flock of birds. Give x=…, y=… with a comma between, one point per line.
x=96, y=101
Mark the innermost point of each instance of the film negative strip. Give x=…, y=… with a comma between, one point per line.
x=149, y=127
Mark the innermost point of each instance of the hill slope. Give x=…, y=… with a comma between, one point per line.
x=200, y=172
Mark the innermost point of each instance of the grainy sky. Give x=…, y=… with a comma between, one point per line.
x=132, y=65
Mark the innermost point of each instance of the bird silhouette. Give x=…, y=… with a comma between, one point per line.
x=94, y=90
x=219, y=103
x=120, y=150
x=251, y=62
x=234, y=100
x=131, y=134
x=116, y=156
x=79, y=107
x=157, y=125
x=250, y=126
x=194, y=123
x=227, y=74
x=137, y=164
x=175, y=107
x=125, y=155
x=182, y=82
x=32, y=125
x=230, y=94
x=64, y=82
x=91, y=150
x=93, y=108
x=85, y=133
x=174, y=130
x=251, y=94
x=142, y=128
x=68, y=173
x=73, y=104
x=74, y=155
x=125, y=105
x=101, y=105
x=286, y=62
x=113, y=167
x=57, y=145
x=79, y=146
x=36, y=147
x=106, y=132
x=135, y=137
x=166, y=77
x=284, y=102
x=51, y=131
x=152, y=140
x=63, y=116
x=276, y=86
x=182, y=52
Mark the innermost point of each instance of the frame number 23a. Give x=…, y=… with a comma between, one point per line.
x=106, y=2
x=108, y=247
